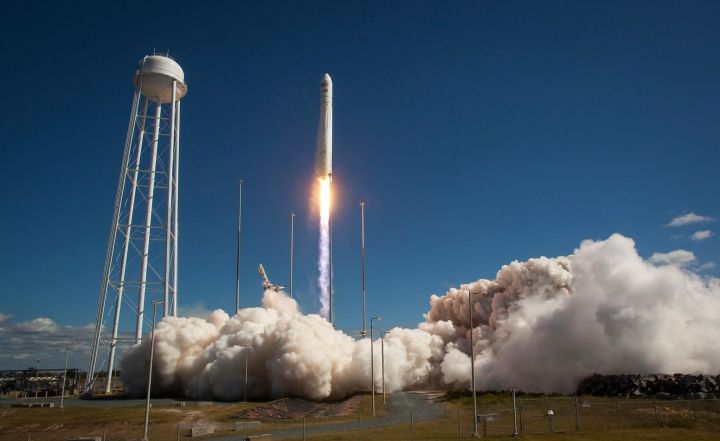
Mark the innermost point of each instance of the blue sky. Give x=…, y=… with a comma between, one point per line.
x=477, y=132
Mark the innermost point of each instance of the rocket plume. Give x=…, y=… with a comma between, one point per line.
x=324, y=247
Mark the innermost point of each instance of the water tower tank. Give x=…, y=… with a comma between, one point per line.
x=155, y=76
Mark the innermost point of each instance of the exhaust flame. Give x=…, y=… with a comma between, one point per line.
x=324, y=246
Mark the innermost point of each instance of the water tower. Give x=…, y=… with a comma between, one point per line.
x=141, y=262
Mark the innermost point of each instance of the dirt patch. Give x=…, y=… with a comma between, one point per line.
x=54, y=427
x=433, y=397
x=285, y=408
x=293, y=408
x=342, y=408
x=187, y=415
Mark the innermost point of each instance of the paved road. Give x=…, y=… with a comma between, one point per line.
x=399, y=407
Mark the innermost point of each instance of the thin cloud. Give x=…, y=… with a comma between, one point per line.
x=702, y=235
x=38, y=325
x=707, y=266
x=677, y=258
x=21, y=343
x=5, y=317
x=197, y=309
x=689, y=219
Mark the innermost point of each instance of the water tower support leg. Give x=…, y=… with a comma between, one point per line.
x=148, y=225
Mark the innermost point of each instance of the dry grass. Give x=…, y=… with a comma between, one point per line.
x=126, y=423
x=120, y=423
x=674, y=420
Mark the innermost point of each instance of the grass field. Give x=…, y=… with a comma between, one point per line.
x=599, y=419
x=126, y=423
x=676, y=420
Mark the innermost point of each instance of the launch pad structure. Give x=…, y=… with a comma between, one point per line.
x=142, y=250
x=17, y=383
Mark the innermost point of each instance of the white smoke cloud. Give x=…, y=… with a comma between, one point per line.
x=702, y=235
x=677, y=257
x=540, y=325
x=620, y=314
x=288, y=353
x=688, y=219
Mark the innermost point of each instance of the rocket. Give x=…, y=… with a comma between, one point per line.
x=323, y=165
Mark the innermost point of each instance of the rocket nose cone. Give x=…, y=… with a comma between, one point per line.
x=326, y=78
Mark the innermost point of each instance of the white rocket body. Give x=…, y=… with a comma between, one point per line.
x=323, y=165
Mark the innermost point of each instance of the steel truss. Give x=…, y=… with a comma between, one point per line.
x=142, y=249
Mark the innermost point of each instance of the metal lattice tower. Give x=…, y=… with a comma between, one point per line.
x=142, y=250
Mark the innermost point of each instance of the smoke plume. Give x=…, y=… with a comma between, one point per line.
x=540, y=325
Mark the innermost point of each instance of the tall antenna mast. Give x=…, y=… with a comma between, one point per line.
x=362, y=244
x=292, y=250
x=237, y=256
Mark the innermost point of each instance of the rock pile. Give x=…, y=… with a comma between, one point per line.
x=658, y=385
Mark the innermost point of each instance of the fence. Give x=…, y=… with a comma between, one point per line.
x=496, y=418
x=434, y=419
x=594, y=414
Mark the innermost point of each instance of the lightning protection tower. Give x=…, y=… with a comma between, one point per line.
x=142, y=252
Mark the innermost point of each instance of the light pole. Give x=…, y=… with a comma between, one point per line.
x=382, y=357
x=150, y=366
x=472, y=365
x=62, y=390
x=37, y=377
x=515, y=422
x=247, y=354
x=372, y=362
